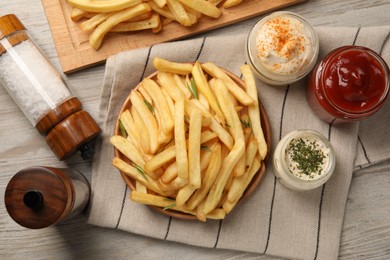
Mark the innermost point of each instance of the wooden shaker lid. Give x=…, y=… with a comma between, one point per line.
x=9, y=24
x=71, y=134
x=38, y=197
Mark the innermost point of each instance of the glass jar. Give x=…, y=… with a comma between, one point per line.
x=282, y=48
x=41, y=94
x=37, y=197
x=303, y=160
x=350, y=84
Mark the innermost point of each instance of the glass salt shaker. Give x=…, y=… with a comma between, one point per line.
x=40, y=92
x=38, y=197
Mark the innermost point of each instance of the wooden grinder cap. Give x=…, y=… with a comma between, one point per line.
x=72, y=134
x=38, y=197
x=9, y=24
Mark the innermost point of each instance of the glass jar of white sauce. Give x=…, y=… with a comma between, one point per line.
x=282, y=48
x=303, y=160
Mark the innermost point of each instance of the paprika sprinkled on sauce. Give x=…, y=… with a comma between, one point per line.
x=282, y=48
x=350, y=84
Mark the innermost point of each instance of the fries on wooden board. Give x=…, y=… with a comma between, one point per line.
x=200, y=155
x=113, y=16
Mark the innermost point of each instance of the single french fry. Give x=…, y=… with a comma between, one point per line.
x=208, y=179
x=250, y=152
x=164, y=65
x=194, y=142
x=94, y=21
x=204, y=88
x=147, y=118
x=223, y=135
x=180, y=141
x=96, y=37
x=184, y=194
x=179, y=12
x=103, y=6
x=236, y=90
x=160, y=159
x=253, y=110
x=204, y=7
x=199, y=212
x=169, y=174
x=159, y=26
x=150, y=23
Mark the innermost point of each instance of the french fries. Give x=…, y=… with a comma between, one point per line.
x=212, y=149
x=115, y=16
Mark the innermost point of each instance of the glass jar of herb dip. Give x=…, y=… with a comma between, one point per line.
x=303, y=160
x=282, y=48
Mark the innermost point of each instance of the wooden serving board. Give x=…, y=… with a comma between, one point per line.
x=75, y=53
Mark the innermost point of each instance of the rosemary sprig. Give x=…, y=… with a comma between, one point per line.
x=205, y=148
x=122, y=128
x=149, y=106
x=246, y=124
x=192, y=88
x=170, y=206
x=140, y=170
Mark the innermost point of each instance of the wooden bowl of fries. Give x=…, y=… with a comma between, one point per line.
x=190, y=141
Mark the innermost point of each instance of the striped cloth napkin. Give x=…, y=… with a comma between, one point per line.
x=274, y=220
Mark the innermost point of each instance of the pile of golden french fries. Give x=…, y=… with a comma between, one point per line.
x=99, y=17
x=192, y=138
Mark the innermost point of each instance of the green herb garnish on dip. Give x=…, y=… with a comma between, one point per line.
x=307, y=157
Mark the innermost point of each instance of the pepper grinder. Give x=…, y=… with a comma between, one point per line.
x=38, y=197
x=40, y=92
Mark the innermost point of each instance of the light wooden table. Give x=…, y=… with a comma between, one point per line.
x=366, y=229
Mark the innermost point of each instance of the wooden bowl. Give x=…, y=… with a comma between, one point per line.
x=251, y=187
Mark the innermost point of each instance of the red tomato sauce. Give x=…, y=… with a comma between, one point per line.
x=350, y=84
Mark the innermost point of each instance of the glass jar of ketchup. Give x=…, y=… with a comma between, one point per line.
x=349, y=84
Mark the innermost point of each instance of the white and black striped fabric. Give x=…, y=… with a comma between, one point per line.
x=274, y=220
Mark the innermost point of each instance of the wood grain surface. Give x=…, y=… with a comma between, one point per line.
x=75, y=52
x=366, y=228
